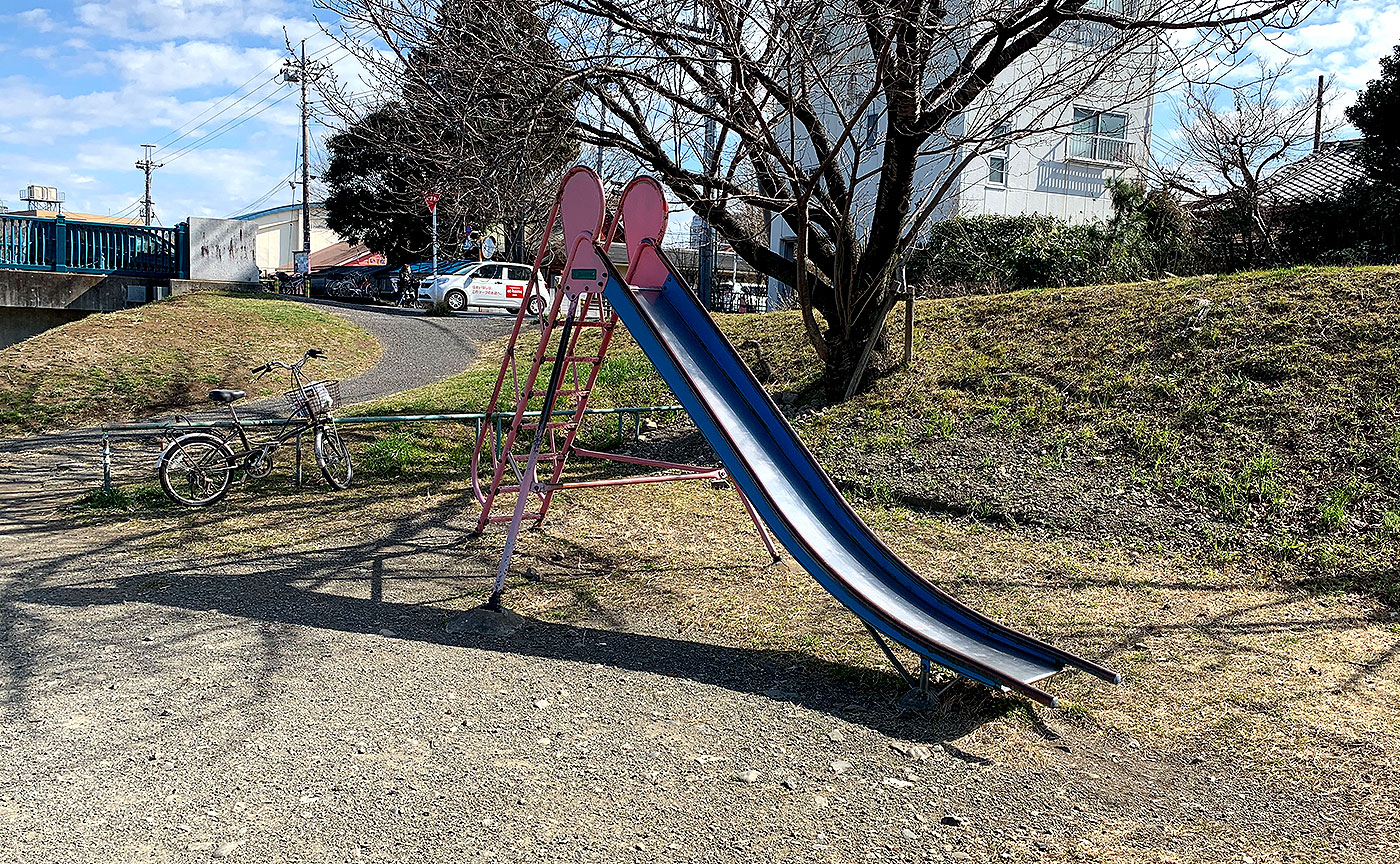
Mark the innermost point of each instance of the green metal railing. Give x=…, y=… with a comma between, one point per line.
x=478, y=420
x=61, y=246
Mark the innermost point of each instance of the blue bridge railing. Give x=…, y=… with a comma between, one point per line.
x=58, y=245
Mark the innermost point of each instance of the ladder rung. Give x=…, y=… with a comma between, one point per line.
x=593, y=358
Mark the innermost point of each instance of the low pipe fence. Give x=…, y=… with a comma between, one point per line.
x=478, y=420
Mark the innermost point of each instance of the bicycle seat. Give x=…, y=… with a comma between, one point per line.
x=226, y=396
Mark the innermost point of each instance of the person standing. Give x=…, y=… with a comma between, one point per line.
x=408, y=293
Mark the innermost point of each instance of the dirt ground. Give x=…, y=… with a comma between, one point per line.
x=288, y=677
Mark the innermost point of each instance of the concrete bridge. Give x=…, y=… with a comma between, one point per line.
x=53, y=271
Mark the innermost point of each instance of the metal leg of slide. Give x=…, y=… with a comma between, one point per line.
x=889, y=654
x=918, y=697
x=528, y=481
x=757, y=523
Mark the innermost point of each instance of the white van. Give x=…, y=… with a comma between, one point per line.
x=495, y=284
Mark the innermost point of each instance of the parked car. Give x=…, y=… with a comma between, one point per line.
x=496, y=284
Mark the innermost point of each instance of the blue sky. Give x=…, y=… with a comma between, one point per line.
x=84, y=84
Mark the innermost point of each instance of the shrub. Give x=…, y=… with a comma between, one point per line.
x=1360, y=226
x=1148, y=235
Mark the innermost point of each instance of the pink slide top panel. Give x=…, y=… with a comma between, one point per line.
x=581, y=205
x=644, y=215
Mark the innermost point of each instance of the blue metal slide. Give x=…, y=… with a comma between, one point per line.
x=805, y=511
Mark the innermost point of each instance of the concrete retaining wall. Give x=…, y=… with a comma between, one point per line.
x=34, y=289
x=16, y=325
x=28, y=296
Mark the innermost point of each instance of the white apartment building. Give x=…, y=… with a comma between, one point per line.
x=1062, y=170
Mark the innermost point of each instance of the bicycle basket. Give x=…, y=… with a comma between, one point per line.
x=317, y=397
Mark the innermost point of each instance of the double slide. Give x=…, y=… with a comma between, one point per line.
x=803, y=508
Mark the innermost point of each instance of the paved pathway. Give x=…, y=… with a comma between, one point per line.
x=418, y=349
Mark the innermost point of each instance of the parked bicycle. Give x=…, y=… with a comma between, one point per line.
x=197, y=468
x=354, y=286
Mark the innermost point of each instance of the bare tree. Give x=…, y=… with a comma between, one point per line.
x=470, y=119
x=851, y=120
x=1232, y=139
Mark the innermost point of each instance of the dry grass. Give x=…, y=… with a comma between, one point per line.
x=165, y=357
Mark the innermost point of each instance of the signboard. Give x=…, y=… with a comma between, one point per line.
x=301, y=263
x=431, y=199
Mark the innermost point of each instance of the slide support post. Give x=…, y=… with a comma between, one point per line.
x=894, y=661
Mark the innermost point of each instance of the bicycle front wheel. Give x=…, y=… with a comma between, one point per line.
x=195, y=470
x=333, y=458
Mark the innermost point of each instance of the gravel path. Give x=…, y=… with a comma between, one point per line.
x=320, y=705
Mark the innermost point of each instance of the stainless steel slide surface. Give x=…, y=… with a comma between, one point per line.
x=805, y=511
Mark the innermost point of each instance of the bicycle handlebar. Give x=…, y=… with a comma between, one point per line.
x=316, y=353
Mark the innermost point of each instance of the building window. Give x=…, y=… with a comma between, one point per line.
x=1100, y=136
x=996, y=170
x=872, y=128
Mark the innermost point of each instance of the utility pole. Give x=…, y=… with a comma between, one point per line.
x=1317, y=118
x=296, y=71
x=148, y=166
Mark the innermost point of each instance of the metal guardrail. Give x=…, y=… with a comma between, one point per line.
x=479, y=420
x=60, y=246
x=1100, y=148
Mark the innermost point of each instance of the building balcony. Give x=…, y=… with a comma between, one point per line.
x=1099, y=150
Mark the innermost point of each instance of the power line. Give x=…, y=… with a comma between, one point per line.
x=194, y=129
x=196, y=121
x=228, y=127
x=276, y=187
x=201, y=120
x=121, y=214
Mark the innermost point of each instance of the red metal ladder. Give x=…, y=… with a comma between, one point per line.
x=552, y=430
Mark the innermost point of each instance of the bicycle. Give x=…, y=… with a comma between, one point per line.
x=354, y=287
x=295, y=284
x=197, y=468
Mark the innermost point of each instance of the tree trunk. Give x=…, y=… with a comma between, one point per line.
x=847, y=367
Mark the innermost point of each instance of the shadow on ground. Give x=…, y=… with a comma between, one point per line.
x=422, y=558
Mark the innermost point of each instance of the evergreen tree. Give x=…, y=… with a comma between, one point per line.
x=1377, y=114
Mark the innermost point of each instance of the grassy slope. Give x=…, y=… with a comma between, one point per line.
x=1251, y=415
x=164, y=357
x=1262, y=406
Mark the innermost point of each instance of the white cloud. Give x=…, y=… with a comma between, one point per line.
x=36, y=19
x=159, y=20
x=191, y=65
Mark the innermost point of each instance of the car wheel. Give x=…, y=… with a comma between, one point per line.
x=535, y=306
x=455, y=300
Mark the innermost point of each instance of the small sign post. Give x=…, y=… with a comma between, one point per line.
x=431, y=199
